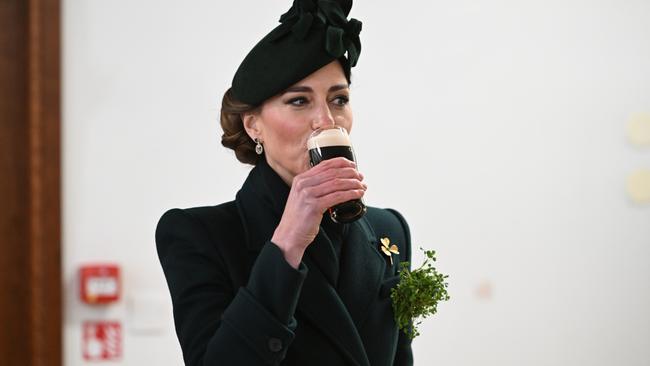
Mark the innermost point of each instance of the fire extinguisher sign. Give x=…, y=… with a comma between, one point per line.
x=102, y=340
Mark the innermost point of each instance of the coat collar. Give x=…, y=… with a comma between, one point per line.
x=260, y=202
x=338, y=310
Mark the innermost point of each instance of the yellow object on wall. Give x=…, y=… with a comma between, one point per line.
x=638, y=186
x=638, y=129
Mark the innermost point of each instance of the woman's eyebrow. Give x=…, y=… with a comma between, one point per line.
x=306, y=89
x=338, y=87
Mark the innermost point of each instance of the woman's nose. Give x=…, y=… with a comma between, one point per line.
x=323, y=117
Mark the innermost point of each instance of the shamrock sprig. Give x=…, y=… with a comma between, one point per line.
x=417, y=294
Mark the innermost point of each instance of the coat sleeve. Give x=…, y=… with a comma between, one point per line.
x=404, y=354
x=215, y=323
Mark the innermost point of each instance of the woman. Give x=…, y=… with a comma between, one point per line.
x=269, y=278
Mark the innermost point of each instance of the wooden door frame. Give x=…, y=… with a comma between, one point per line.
x=30, y=199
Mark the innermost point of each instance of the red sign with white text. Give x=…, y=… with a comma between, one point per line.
x=99, y=283
x=102, y=340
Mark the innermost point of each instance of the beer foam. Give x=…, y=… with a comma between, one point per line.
x=331, y=137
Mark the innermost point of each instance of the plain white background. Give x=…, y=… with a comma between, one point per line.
x=496, y=127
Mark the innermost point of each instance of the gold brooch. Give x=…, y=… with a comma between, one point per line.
x=388, y=249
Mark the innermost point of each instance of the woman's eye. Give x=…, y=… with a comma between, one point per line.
x=341, y=100
x=298, y=101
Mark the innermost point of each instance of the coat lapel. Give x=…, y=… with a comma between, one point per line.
x=321, y=253
x=260, y=203
x=362, y=270
x=340, y=313
x=320, y=303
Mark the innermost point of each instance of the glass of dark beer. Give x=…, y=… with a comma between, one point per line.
x=330, y=143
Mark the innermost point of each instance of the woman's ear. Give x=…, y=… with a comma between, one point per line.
x=251, y=125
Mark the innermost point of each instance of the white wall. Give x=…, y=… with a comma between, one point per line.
x=508, y=156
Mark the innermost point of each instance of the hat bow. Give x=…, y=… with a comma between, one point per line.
x=341, y=35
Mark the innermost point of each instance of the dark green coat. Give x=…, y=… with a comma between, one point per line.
x=238, y=302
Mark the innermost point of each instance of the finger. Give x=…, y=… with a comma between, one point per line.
x=330, y=163
x=327, y=175
x=335, y=198
x=334, y=185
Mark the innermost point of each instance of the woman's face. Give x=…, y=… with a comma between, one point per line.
x=285, y=121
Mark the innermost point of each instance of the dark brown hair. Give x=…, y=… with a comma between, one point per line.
x=234, y=135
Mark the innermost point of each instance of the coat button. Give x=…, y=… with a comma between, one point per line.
x=275, y=345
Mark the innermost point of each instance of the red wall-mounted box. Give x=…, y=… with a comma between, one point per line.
x=99, y=283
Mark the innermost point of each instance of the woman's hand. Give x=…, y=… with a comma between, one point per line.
x=325, y=185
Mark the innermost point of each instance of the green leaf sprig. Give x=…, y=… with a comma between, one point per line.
x=417, y=294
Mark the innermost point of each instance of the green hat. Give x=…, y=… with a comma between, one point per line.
x=312, y=34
